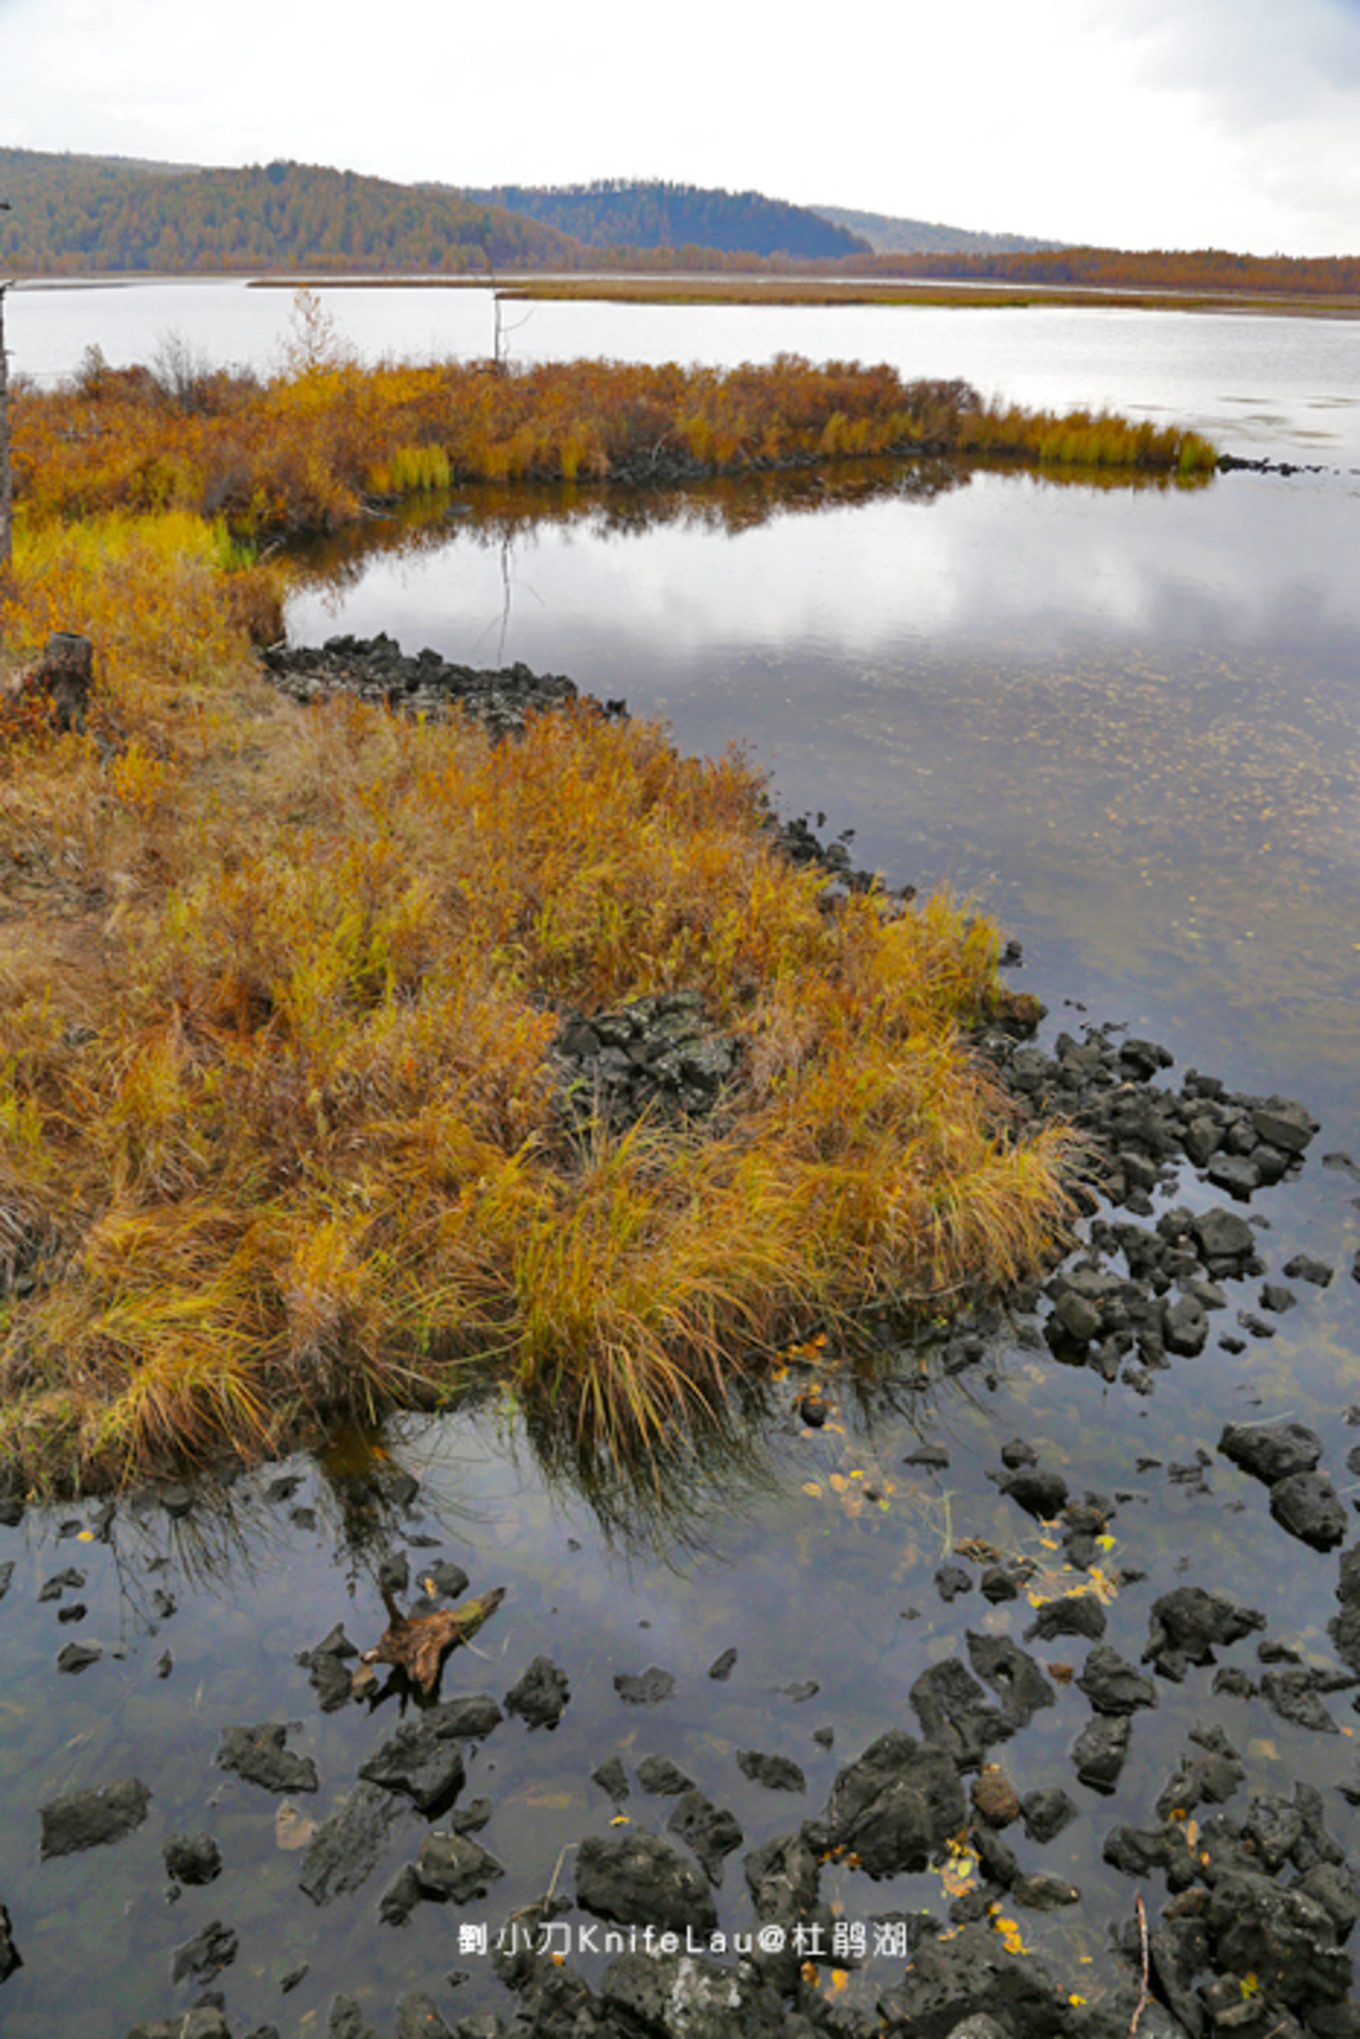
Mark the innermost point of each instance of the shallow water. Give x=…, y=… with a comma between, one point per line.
x=1125, y=721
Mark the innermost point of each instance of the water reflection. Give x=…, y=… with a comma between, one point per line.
x=1125, y=719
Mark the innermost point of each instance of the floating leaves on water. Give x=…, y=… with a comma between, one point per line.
x=292, y=1828
x=959, y=1870
x=838, y=1483
x=812, y=1487
x=1264, y=1747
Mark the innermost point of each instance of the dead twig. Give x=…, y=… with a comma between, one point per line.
x=1144, y=1995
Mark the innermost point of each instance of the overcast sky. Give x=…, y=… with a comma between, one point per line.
x=1170, y=123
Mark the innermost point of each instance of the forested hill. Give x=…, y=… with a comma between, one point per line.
x=888, y=235
x=614, y=213
x=76, y=214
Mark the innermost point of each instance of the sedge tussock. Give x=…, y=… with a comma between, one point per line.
x=280, y=1133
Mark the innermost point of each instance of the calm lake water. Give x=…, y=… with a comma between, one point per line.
x=1126, y=722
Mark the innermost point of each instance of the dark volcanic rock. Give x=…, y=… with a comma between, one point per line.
x=1305, y=1267
x=92, y=1819
x=1100, y=1750
x=1012, y=1673
x=467, y=1716
x=659, y=1775
x=401, y=1897
x=951, y=1580
x=1307, y=1505
x=893, y=1808
x=454, y=1868
x=951, y=1980
x=347, y=2021
x=776, y=1773
x=1046, y=1813
x=684, y=1993
x=78, y=1656
x=647, y=1690
x=1080, y=1614
x=956, y=1714
x=206, y=1955
x=204, y=2021
x=1227, y=1244
x=1294, y=1691
x=1271, y=1451
x=721, y=1668
x=418, y=2017
x=374, y=669
x=345, y=1848
x=1344, y=1628
x=1112, y=1685
x=192, y=1858
x=325, y=1666
x=10, y=1957
x=258, y=1754
x=708, y=1829
x=541, y=1695
x=416, y=1761
x=612, y=1779
x=1283, y=1937
x=636, y=1880
x=1187, y=1625
x=1043, y=1495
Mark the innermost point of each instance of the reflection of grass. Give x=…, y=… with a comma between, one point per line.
x=278, y=1139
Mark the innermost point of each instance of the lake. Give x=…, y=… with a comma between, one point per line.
x=1125, y=722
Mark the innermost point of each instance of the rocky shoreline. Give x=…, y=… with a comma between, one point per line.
x=1260, y=1898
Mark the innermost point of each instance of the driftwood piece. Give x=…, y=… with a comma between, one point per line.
x=418, y=1644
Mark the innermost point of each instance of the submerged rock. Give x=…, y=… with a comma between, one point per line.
x=192, y=1858
x=93, y=1819
x=259, y=1756
x=206, y=1955
x=648, y=1689
x=775, y=1773
x=540, y=1697
x=344, y=1850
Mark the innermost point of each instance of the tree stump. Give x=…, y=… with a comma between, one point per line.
x=65, y=674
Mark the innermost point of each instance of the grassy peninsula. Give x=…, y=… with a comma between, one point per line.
x=281, y=1136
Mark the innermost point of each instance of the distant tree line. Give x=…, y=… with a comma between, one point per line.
x=1146, y=269
x=616, y=212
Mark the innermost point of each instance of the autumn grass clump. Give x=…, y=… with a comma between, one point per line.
x=1085, y=439
x=311, y=448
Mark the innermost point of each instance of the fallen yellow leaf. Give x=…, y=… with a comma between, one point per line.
x=811, y=1487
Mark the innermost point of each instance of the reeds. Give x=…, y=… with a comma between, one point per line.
x=278, y=1132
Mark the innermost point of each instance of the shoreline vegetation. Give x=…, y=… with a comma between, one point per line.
x=282, y=1127
x=314, y=447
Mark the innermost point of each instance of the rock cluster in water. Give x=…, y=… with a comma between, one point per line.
x=374, y=669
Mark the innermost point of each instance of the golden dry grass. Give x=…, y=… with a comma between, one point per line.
x=278, y=1138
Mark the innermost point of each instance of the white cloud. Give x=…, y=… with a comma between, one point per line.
x=1166, y=122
